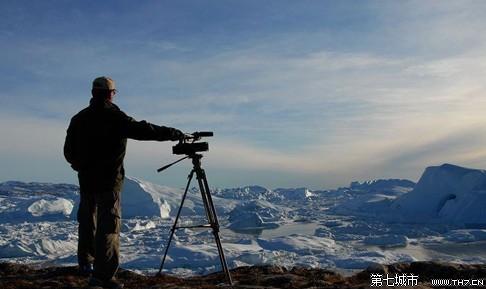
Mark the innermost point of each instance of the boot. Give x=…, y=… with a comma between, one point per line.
x=109, y=284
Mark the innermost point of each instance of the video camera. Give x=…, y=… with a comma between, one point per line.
x=188, y=145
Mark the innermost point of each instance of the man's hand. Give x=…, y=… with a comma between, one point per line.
x=177, y=135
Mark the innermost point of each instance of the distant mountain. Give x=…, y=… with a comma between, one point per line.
x=16, y=188
x=246, y=193
x=261, y=193
x=381, y=185
x=295, y=194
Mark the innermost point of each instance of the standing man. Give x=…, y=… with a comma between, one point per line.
x=95, y=147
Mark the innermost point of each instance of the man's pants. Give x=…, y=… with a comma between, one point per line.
x=99, y=217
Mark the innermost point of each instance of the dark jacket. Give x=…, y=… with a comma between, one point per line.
x=96, y=142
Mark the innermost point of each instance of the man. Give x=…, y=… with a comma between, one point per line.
x=95, y=147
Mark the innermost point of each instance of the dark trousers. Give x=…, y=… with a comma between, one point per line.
x=99, y=217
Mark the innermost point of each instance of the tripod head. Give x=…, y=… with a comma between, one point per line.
x=189, y=146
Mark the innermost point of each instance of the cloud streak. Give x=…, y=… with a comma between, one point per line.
x=334, y=101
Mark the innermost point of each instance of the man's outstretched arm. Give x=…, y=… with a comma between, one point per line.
x=143, y=130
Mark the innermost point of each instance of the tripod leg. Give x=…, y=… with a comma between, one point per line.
x=209, y=214
x=210, y=199
x=222, y=258
x=175, y=222
x=213, y=219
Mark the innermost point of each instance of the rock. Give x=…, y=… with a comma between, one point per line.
x=16, y=276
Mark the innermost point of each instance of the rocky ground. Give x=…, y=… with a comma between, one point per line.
x=15, y=276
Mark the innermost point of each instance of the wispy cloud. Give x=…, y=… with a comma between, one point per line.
x=397, y=87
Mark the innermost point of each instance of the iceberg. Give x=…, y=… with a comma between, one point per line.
x=58, y=206
x=446, y=194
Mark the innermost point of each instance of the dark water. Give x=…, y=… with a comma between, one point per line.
x=461, y=250
x=283, y=230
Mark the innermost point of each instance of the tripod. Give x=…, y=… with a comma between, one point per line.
x=209, y=209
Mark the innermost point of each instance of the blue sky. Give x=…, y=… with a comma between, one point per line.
x=298, y=93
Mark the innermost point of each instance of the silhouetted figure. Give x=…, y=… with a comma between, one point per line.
x=95, y=147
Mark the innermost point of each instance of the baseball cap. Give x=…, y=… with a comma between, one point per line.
x=104, y=82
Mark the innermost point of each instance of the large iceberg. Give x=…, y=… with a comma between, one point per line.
x=255, y=214
x=368, y=199
x=142, y=198
x=446, y=194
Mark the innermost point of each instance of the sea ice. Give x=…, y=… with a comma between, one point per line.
x=346, y=228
